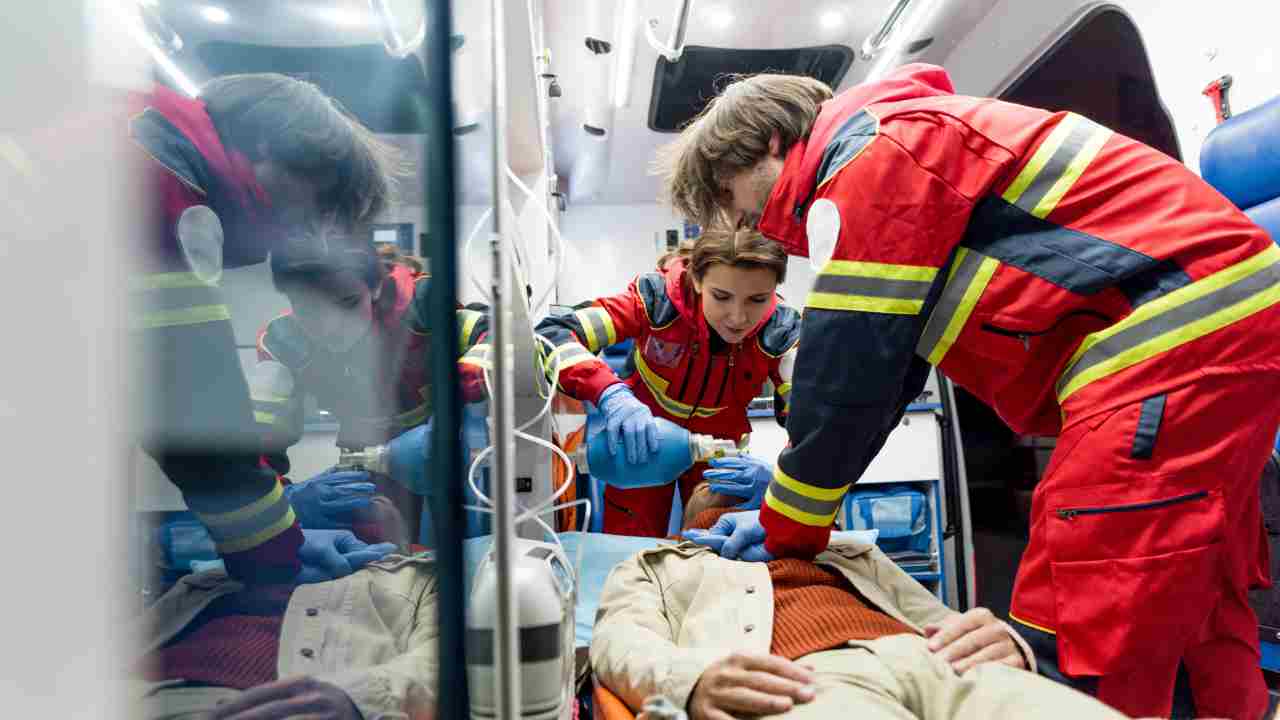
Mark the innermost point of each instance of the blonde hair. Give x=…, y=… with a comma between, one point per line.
x=731, y=135
x=735, y=248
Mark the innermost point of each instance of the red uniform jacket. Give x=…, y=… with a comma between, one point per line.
x=675, y=372
x=1050, y=266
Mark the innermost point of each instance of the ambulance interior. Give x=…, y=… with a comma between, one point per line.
x=539, y=197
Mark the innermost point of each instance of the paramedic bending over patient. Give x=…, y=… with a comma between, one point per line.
x=1082, y=284
x=708, y=330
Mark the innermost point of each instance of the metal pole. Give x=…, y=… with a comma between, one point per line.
x=676, y=42
x=445, y=498
x=507, y=639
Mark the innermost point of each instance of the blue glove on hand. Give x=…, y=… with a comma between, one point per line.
x=747, y=477
x=736, y=536
x=325, y=501
x=331, y=554
x=628, y=420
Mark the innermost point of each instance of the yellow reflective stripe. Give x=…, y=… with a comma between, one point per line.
x=1182, y=333
x=167, y=281
x=184, y=316
x=784, y=389
x=1040, y=157
x=214, y=520
x=956, y=304
x=265, y=418
x=269, y=398
x=597, y=324
x=856, y=303
x=885, y=271
x=469, y=320
x=1072, y=173
x=1041, y=628
x=800, y=516
x=809, y=491
x=246, y=543
x=566, y=356
x=658, y=388
x=478, y=356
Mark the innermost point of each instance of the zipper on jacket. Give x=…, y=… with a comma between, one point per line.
x=705, y=377
x=1069, y=513
x=728, y=375
x=693, y=360
x=1026, y=335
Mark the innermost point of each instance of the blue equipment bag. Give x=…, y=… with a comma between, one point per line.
x=901, y=514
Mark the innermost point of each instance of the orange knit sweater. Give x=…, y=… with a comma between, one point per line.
x=814, y=608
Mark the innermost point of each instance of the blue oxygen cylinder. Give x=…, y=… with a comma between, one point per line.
x=678, y=450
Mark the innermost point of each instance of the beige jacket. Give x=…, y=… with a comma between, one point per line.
x=668, y=613
x=372, y=633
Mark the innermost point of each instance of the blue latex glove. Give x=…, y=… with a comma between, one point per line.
x=747, y=477
x=736, y=536
x=325, y=502
x=331, y=554
x=628, y=421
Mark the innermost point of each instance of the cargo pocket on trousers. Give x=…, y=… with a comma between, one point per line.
x=1133, y=578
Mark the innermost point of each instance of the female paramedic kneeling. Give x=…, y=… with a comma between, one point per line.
x=1083, y=285
x=356, y=339
x=708, y=330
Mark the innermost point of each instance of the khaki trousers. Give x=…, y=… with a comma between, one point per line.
x=897, y=678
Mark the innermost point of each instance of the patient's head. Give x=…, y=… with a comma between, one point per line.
x=705, y=508
x=380, y=522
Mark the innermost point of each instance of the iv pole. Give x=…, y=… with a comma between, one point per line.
x=506, y=640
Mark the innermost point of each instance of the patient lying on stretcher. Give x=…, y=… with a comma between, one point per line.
x=359, y=646
x=808, y=639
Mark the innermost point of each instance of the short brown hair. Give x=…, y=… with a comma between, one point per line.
x=731, y=135
x=292, y=122
x=735, y=248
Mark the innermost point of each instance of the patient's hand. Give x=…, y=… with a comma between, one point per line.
x=750, y=684
x=296, y=697
x=973, y=638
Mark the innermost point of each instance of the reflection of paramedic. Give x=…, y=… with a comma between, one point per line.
x=1084, y=285
x=361, y=646
x=356, y=339
x=801, y=639
x=250, y=161
x=708, y=330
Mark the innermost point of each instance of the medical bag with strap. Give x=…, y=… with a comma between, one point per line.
x=901, y=514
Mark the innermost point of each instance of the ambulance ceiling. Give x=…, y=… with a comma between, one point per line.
x=590, y=82
x=600, y=122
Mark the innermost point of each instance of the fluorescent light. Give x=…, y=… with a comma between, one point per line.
x=832, y=19
x=215, y=14
x=342, y=16
x=718, y=17
x=625, y=47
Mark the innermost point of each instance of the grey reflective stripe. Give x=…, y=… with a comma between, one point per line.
x=1171, y=320
x=1051, y=173
x=179, y=298
x=598, y=329
x=537, y=644
x=565, y=353
x=1144, y=440
x=250, y=525
x=871, y=287
x=791, y=498
x=949, y=302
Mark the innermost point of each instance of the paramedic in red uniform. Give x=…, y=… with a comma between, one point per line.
x=1082, y=284
x=228, y=174
x=708, y=330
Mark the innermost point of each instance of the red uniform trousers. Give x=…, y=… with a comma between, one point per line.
x=1147, y=534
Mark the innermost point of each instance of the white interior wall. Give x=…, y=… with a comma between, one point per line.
x=1187, y=46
